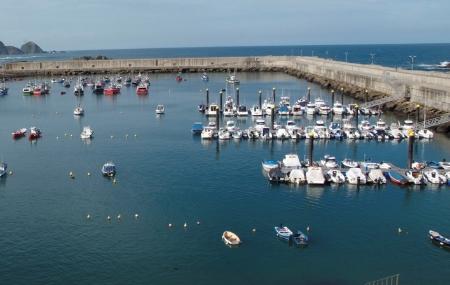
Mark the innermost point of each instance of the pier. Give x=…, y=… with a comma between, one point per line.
x=396, y=89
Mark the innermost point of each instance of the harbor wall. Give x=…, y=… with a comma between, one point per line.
x=419, y=87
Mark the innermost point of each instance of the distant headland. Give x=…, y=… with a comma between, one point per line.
x=27, y=48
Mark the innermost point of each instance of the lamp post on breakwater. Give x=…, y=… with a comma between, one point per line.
x=412, y=58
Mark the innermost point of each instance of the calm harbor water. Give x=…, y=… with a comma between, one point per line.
x=168, y=176
x=428, y=56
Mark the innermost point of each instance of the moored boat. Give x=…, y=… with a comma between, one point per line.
x=438, y=238
x=283, y=232
x=142, y=89
x=397, y=178
x=109, y=169
x=35, y=133
x=19, y=133
x=355, y=176
x=197, y=128
x=3, y=169
x=315, y=176
x=160, y=109
x=230, y=238
x=78, y=111
x=300, y=238
x=268, y=165
x=434, y=177
x=87, y=133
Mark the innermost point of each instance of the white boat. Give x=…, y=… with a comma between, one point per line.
x=369, y=165
x=425, y=134
x=260, y=124
x=228, y=112
x=349, y=163
x=380, y=125
x=78, y=111
x=3, y=169
x=87, y=133
x=445, y=165
x=266, y=134
x=78, y=90
x=236, y=134
x=376, y=176
x=291, y=161
x=231, y=126
x=212, y=110
x=160, y=109
x=268, y=165
x=321, y=130
x=365, y=126
x=355, y=176
x=224, y=134
x=310, y=109
x=329, y=162
x=408, y=125
x=256, y=111
x=230, y=238
x=324, y=110
x=232, y=79
x=297, y=110
x=207, y=133
x=297, y=176
x=335, y=176
x=319, y=102
x=415, y=177
x=350, y=131
x=314, y=175
x=434, y=177
x=338, y=109
x=109, y=169
x=282, y=133
x=242, y=111
x=444, y=64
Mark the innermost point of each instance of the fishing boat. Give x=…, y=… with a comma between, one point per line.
x=160, y=109
x=349, y=163
x=415, y=177
x=297, y=176
x=376, y=176
x=35, y=133
x=3, y=169
x=19, y=133
x=397, y=178
x=434, y=177
x=142, y=89
x=109, y=169
x=230, y=238
x=329, y=161
x=112, y=89
x=197, y=128
x=78, y=111
x=315, y=176
x=335, y=176
x=87, y=133
x=439, y=239
x=283, y=232
x=355, y=176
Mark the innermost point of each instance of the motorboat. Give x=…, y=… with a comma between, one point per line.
x=224, y=134
x=35, y=133
x=197, y=128
x=232, y=79
x=207, y=133
x=310, y=109
x=179, y=78
x=205, y=77
x=283, y=110
x=329, y=161
x=376, y=176
x=109, y=169
x=425, y=134
x=160, y=110
x=297, y=110
x=350, y=131
x=444, y=165
x=28, y=90
x=367, y=164
x=355, y=176
x=397, y=178
x=415, y=177
x=266, y=134
x=319, y=102
x=283, y=232
x=112, y=89
x=268, y=165
x=299, y=238
x=212, y=110
x=439, y=239
x=297, y=176
x=3, y=169
x=384, y=166
x=228, y=111
x=3, y=89
x=87, y=133
x=324, y=110
x=19, y=133
x=231, y=126
x=380, y=125
x=260, y=124
x=365, y=126
x=256, y=111
x=291, y=161
x=142, y=89
x=418, y=165
x=78, y=89
x=444, y=64
x=335, y=176
x=434, y=177
x=407, y=126
x=242, y=111
x=99, y=87
x=349, y=163
x=230, y=238
x=281, y=133
x=321, y=130
x=338, y=109
x=78, y=111
x=315, y=176
x=201, y=108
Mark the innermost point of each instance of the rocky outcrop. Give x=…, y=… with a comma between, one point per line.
x=13, y=50
x=3, y=49
x=31, y=47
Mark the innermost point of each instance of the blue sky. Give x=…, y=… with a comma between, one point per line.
x=110, y=24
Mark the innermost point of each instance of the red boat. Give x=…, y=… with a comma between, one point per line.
x=142, y=89
x=19, y=133
x=37, y=91
x=35, y=133
x=111, y=90
x=179, y=78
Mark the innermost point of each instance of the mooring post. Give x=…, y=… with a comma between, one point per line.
x=260, y=103
x=217, y=119
x=410, y=148
x=356, y=115
x=311, y=150
x=417, y=113
x=366, y=95
x=221, y=102
x=272, y=116
x=237, y=96
x=309, y=94
x=332, y=98
x=273, y=94
x=342, y=95
x=207, y=97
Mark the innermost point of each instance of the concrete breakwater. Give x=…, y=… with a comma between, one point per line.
x=365, y=82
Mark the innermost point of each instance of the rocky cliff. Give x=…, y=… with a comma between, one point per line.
x=29, y=47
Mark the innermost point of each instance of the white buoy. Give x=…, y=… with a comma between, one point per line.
x=108, y=218
x=254, y=230
x=198, y=222
x=136, y=216
x=71, y=135
x=119, y=216
x=135, y=135
x=400, y=230
x=71, y=175
x=185, y=225
x=307, y=229
x=10, y=172
x=88, y=216
x=170, y=225
x=89, y=174
x=112, y=137
x=114, y=181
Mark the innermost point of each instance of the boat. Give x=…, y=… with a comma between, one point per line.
x=335, y=176
x=179, y=78
x=434, y=164
x=283, y=111
x=212, y=110
x=35, y=133
x=224, y=134
x=87, y=133
x=439, y=239
x=297, y=176
x=376, y=176
x=324, y=110
x=160, y=109
x=232, y=79
x=28, y=90
x=314, y=175
x=242, y=111
x=310, y=109
x=291, y=161
x=380, y=125
x=230, y=126
x=19, y=133
x=142, y=89
x=78, y=111
x=99, y=87
x=230, y=238
x=205, y=77
x=228, y=111
x=434, y=177
x=207, y=133
x=355, y=176
x=299, y=238
x=197, y=128
x=349, y=163
x=268, y=165
x=366, y=165
x=281, y=133
x=109, y=169
x=78, y=90
x=112, y=89
x=444, y=64
x=3, y=89
x=37, y=91
x=338, y=109
x=201, y=108
x=3, y=169
x=256, y=111
x=283, y=232
x=297, y=110
x=418, y=165
x=329, y=162
x=425, y=134
x=444, y=165
x=319, y=102
x=415, y=177
x=397, y=178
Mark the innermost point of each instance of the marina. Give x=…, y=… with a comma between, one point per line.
x=218, y=182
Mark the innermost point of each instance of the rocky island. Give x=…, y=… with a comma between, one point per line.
x=27, y=48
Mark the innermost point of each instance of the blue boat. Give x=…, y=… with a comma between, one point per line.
x=197, y=128
x=268, y=165
x=397, y=178
x=434, y=164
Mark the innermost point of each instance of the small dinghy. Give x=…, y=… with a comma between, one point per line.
x=438, y=238
x=283, y=232
x=397, y=178
x=19, y=133
x=230, y=238
x=109, y=169
x=300, y=239
x=160, y=109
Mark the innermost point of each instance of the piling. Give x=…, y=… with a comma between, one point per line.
x=217, y=120
x=260, y=103
x=332, y=98
x=221, y=102
x=207, y=97
x=272, y=116
x=417, y=113
x=356, y=115
x=237, y=96
x=309, y=94
x=410, y=149
x=311, y=150
x=273, y=94
x=366, y=95
x=342, y=96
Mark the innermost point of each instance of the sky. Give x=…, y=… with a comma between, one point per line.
x=116, y=24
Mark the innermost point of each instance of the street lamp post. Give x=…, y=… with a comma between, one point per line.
x=412, y=57
x=372, y=56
